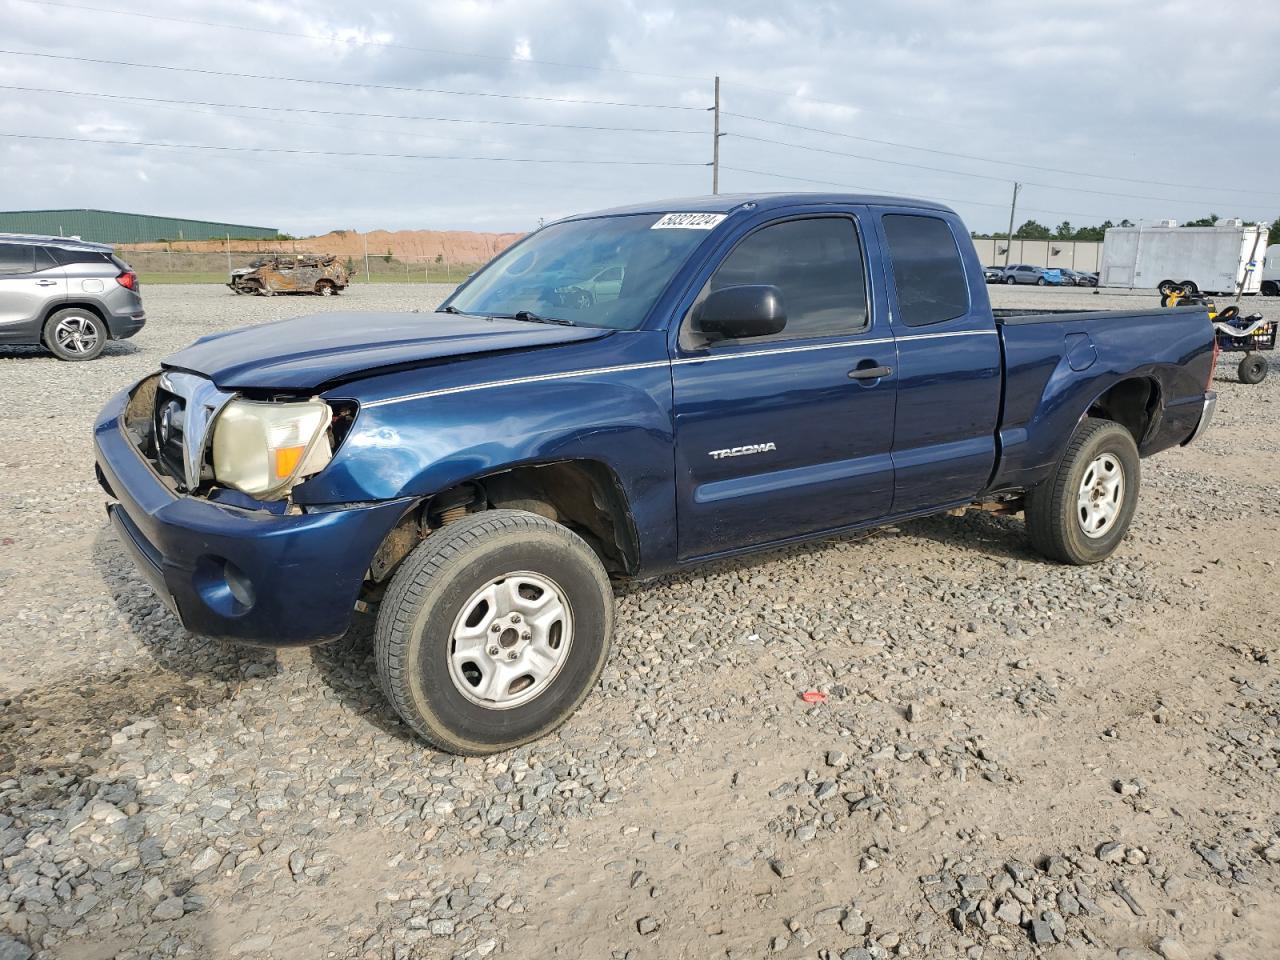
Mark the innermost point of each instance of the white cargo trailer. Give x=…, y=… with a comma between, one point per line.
x=1215, y=259
x=1271, y=272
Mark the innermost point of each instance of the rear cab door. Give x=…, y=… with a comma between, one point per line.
x=950, y=371
x=30, y=282
x=774, y=438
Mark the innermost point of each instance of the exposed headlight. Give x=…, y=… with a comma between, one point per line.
x=263, y=449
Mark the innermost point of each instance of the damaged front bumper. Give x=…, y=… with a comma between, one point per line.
x=226, y=571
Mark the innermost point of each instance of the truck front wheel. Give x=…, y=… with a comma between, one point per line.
x=1082, y=511
x=493, y=631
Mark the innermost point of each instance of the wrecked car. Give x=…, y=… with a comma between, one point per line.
x=296, y=273
x=771, y=369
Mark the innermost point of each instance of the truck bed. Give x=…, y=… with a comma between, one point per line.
x=1062, y=363
x=1007, y=316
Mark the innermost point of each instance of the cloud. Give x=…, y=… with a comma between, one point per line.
x=1085, y=85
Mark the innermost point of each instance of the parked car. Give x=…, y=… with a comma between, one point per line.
x=993, y=274
x=775, y=368
x=67, y=295
x=297, y=273
x=1026, y=273
x=604, y=285
x=1078, y=278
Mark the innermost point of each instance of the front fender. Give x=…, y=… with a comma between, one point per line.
x=618, y=416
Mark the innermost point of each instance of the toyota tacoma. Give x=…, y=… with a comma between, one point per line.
x=768, y=369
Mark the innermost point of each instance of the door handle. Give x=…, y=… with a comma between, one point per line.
x=869, y=373
x=46, y=283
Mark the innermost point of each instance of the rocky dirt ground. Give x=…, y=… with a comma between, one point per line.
x=1014, y=759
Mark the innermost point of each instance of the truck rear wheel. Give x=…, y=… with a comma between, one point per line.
x=1082, y=511
x=493, y=631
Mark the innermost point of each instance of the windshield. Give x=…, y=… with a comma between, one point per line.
x=602, y=272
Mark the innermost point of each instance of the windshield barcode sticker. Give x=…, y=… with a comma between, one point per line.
x=688, y=221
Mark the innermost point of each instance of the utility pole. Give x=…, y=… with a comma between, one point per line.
x=366, y=258
x=228, y=238
x=1012, y=207
x=715, y=142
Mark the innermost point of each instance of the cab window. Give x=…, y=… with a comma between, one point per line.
x=927, y=269
x=816, y=263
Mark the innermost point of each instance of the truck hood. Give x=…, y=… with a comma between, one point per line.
x=307, y=353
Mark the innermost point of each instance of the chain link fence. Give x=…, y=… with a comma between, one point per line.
x=161, y=263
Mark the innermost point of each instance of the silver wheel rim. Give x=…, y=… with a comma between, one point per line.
x=76, y=335
x=1101, y=496
x=510, y=640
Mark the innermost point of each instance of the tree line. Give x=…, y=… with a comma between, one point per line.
x=1034, y=230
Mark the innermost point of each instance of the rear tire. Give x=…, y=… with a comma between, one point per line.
x=475, y=578
x=1041, y=281
x=1189, y=288
x=1269, y=289
x=1167, y=287
x=75, y=334
x=1067, y=515
x=1252, y=369
x=325, y=288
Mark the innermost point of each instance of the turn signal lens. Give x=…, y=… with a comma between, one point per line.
x=287, y=460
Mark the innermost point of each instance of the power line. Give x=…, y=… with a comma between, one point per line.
x=965, y=173
x=343, y=113
x=352, y=154
x=852, y=186
x=360, y=42
x=1009, y=163
x=350, y=83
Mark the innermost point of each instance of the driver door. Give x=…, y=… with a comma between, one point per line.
x=780, y=437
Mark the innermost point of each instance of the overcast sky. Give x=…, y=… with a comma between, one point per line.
x=1174, y=106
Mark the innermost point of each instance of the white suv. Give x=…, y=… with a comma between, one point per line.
x=69, y=295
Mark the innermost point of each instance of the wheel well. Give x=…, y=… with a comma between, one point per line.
x=584, y=495
x=1134, y=404
x=88, y=305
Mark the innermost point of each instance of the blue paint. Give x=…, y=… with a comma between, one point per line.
x=970, y=407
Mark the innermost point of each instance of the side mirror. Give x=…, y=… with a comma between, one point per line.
x=735, y=313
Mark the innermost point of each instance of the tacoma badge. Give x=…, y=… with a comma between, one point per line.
x=743, y=450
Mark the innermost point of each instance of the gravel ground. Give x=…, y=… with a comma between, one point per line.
x=1014, y=759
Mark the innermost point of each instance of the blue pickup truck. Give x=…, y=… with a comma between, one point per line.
x=765, y=369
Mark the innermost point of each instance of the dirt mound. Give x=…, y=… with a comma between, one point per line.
x=410, y=246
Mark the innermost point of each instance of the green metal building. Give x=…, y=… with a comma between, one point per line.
x=109, y=226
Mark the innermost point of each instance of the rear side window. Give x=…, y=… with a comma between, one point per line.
x=927, y=270
x=17, y=258
x=65, y=257
x=817, y=264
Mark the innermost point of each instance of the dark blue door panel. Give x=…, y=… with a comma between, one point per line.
x=948, y=401
x=816, y=443
x=949, y=365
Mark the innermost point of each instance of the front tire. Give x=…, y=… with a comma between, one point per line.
x=493, y=631
x=1082, y=511
x=75, y=334
x=1010, y=281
